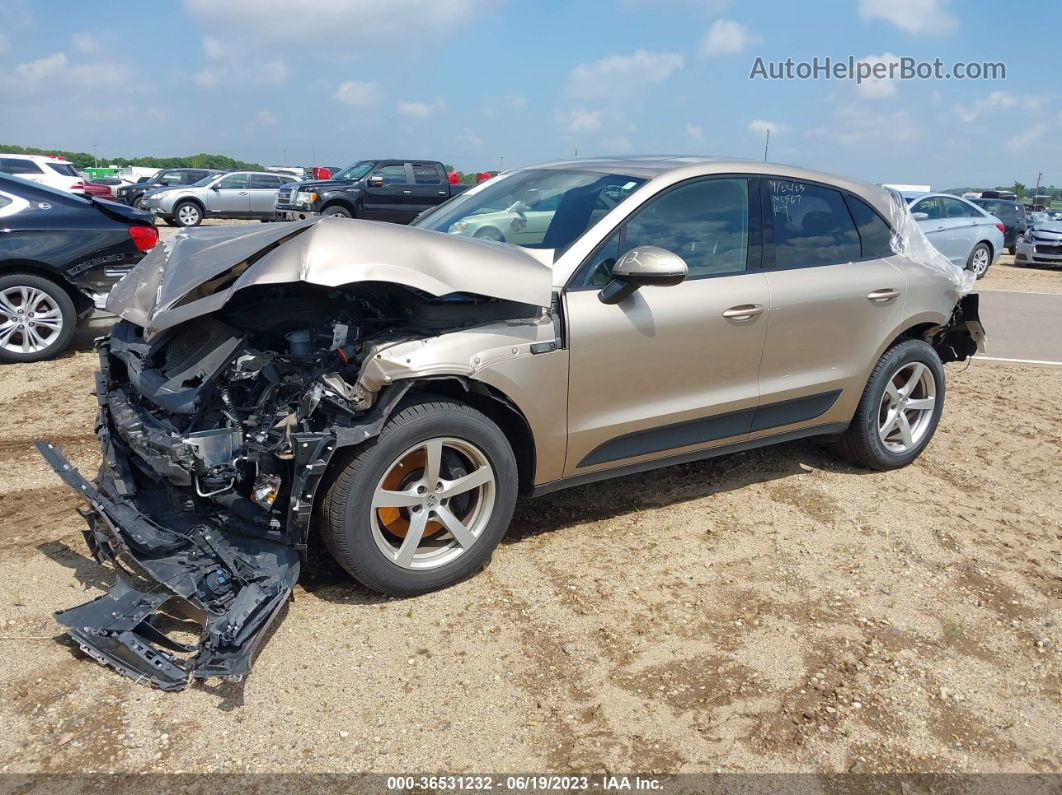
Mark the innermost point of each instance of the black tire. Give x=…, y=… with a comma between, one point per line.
x=191, y=219
x=136, y=202
x=1012, y=250
x=977, y=250
x=337, y=211
x=169, y=221
x=861, y=443
x=68, y=314
x=347, y=504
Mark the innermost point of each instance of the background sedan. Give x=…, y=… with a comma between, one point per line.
x=963, y=232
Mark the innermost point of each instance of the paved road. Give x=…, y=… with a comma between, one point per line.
x=1022, y=325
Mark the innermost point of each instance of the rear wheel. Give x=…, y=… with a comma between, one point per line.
x=37, y=318
x=979, y=260
x=424, y=504
x=188, y=214
x=899, y=410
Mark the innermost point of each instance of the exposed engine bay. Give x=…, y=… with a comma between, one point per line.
x=216, y=434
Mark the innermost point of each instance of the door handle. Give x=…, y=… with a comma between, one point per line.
x=884, y=295
x=743, y=312
x=407, y=192
x=243, y=193
x=442, y=193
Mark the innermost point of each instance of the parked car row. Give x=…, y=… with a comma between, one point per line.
x=55, y=172
x=965, y=233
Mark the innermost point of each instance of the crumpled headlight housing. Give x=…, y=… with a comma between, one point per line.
x=458, y=228
x=305, y=197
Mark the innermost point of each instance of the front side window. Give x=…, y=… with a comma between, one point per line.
x=234, y=182
x=392, y=175
x=560, y=205
x=931, y=207
x=811, y=225
x=15, y=165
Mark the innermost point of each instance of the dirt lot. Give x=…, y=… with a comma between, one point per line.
x=777, y=610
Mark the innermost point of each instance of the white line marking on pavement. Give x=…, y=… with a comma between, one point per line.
x=1013, y=292
x=1016, y=361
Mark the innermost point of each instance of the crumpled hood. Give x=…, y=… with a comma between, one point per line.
x=1048, y=230
x=325, y=251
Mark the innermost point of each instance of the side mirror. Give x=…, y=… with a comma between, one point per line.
x=376, y=182
x=920, y=216
x=643, y=266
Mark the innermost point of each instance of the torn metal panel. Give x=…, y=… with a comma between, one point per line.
x=198, y=271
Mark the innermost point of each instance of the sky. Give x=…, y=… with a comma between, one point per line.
x=488, y=84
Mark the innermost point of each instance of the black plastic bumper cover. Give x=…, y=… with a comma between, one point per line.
x=240, y=584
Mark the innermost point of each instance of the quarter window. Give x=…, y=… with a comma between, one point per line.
x=874, y=234
x=811, y=224
x=264, y=181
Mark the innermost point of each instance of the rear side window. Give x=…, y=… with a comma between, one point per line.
x=426, y=174
x=953, y=208
x=875, y=237
x=264, y=181
x=811, y=225
x=14, y=165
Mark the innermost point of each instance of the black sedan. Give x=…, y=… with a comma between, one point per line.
x=60, y=254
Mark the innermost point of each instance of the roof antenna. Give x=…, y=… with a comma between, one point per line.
x=766, y=143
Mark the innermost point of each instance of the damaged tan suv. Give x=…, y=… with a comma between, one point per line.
x=394, y=389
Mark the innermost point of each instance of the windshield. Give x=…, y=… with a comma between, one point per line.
x=534, y=208
x=205, y=181
x=355, y=172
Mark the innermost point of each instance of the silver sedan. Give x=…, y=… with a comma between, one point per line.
x=964, y=233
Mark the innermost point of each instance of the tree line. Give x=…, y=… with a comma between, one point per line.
x=86, y=160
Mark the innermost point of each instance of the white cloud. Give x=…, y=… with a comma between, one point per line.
x=694, y=131
x=578, y=120
x=879, y=87
x=616, y=77
x=213, y=48
x=469, y=138
x=228, y=69
x=917, y=17
x=267, y=118
x=760, y=127
x=102, y=74
x=85, y=41
x=1028, y=137
x=510, y=102
x=854, y=124
x=620, y=145
x=995, y=102
x=345, y=21
x=47, y=68
x=516, y=101
x=420, y=110
x=359, y=93
x=727, y=37
x=56, y=70
x=208, y=78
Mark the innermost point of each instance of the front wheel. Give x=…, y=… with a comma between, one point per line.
x=337, y=212
x=424, y=504
x=899, y=410
x=188, y=214
x=37, y=318
x=979, y=260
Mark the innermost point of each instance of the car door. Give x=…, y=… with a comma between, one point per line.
x=965, y=226
x=430, y=187
x=230, y=197
x=942, y=232
x=262, y=194
x=669, y=370
x=388, y=192
x=835, y=300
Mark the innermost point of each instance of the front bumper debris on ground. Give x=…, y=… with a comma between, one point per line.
x=235, y=585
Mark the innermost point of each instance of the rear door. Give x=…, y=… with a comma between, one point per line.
x=835, y=299
x=231, y=199
x=392, y=200
x=263, y=194
x=430, y=187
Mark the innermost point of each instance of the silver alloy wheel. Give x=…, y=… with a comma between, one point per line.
x=906, y=412
x=188, y=214
x=980, y=261
x=30, y=320
x=423, y=519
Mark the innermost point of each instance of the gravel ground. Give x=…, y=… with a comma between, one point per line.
x=777, y=610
